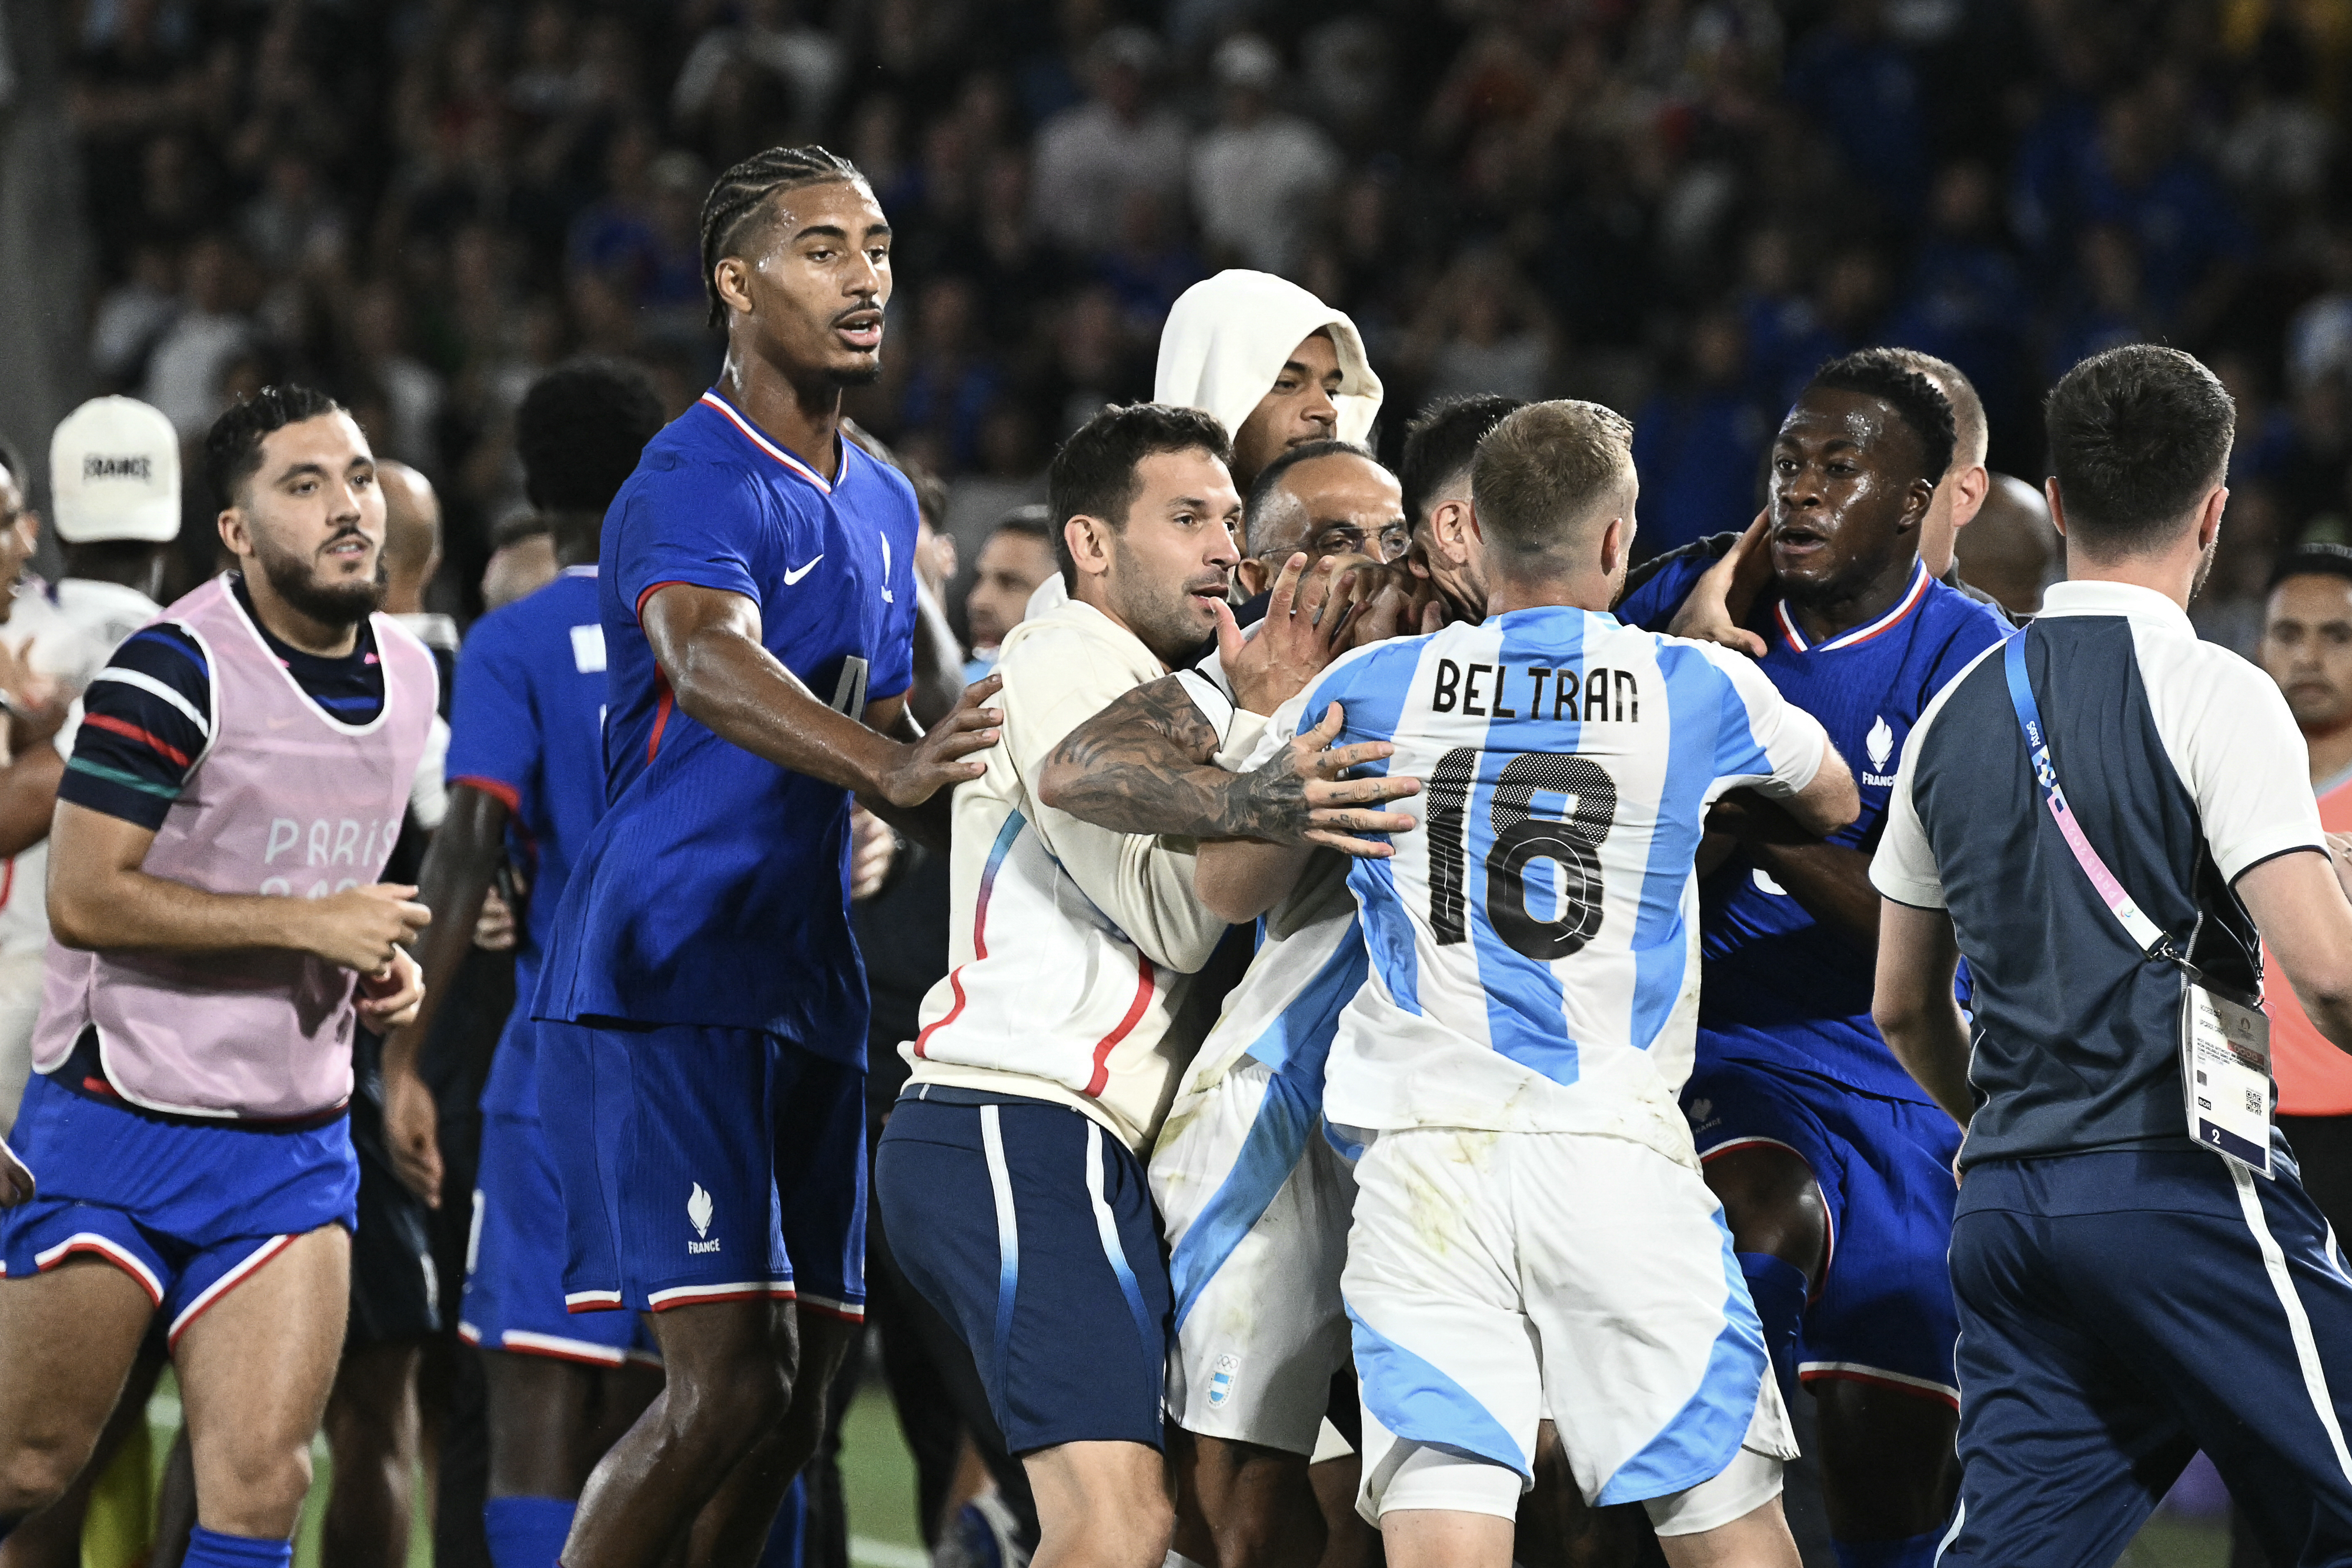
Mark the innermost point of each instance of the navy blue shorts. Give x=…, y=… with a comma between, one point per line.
x=2120, y=1311
x=186, y=1211
x=704, y=1165
x=1031, y=1229
x=1884, y=1311
x=514, y=1260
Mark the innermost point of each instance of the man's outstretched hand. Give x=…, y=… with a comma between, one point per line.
x=1304, y=796
x=942, y=758
x=15, y=1181
x=1726, y=591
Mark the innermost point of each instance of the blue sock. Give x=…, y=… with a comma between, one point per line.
x=1779, y=1288
x=1911, y=1551
x=211, y=1548
x=527, y=1532
x=785, y=1538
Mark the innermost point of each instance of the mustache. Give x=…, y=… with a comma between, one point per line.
x=868, y=307
x=339, y=535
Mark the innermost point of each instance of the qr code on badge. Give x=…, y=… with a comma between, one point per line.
x=2253, y=1102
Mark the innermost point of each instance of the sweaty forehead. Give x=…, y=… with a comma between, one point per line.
x=1825, y=416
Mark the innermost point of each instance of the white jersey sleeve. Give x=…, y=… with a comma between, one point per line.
x=1762, y=729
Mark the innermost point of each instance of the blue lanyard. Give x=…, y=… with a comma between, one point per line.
x=2145, y=933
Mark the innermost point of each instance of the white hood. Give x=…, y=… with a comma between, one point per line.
x=1226, y=340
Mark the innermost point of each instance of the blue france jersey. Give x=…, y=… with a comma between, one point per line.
x=1533, y=962
x=1782, y=988
x=525, y=725
x=714, y=890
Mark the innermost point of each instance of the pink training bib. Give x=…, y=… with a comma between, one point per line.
x=285, y=801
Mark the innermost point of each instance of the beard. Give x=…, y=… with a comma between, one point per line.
x=864, y=376
x=337, y=604
x=2204, y=567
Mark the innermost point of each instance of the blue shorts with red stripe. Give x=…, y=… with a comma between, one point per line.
x=188, y=1209
x=1883, y=1311
x=702, y=1163
x=514, y=1260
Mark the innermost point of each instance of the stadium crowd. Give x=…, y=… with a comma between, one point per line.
x=1676, y=208
x=1258, y=384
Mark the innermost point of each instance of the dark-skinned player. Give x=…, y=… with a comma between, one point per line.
x=703, y=1008
x=1834, y=1166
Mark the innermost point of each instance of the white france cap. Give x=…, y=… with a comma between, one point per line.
x=114, y=474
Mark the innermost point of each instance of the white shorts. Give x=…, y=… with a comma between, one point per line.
x=1498, y=1279
x=1257, y=1203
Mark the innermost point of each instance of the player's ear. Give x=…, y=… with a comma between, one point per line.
x=2057, y=507
x=727, y=277
x=234, y=532
x=1089, y=541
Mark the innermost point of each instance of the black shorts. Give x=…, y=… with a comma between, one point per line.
x=395, y=1289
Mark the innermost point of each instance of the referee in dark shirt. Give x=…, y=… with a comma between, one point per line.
x=2126, y=1297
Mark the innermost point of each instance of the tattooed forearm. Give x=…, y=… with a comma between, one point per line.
x=1141, y=766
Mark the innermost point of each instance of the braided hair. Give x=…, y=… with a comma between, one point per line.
x=737, y=196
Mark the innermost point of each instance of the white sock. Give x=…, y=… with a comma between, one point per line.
x=1178, y=1559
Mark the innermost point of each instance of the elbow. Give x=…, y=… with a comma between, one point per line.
x=1896, y=1017
x=1056, y=782
x=72, y=921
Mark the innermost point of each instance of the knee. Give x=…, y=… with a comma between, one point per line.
x=1122, y=1533
x=34, y=1474
x=257, y=1489
x=739, y=1401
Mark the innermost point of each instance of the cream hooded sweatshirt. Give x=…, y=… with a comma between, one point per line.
x=1227, y=338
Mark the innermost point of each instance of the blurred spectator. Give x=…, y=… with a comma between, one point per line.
x=1018, y=556
x=183, y=376
x=952, y=382
x=2102, y=308
x=1118, y=143
x=1698, y=445
x=1262, y=178
x=1865, y=90
x=2192, y=247
x=1483, y=330
x=1967, y=302
x=418, y=207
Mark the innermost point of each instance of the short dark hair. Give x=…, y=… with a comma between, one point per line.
x=1441, y=440
x=580, y=430
x=232, y=445
x=1034, y=521
x=1917, y=401
x=2312, y=560
x=1093, y=476
x=737, y=196
x=1270, y=476
x=2137, y=436
x=1541, y=473
x=1970, y=431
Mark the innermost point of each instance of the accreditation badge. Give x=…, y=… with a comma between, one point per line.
x=2225, y=1076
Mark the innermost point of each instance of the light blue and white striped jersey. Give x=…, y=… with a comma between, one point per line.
x=1534, y=944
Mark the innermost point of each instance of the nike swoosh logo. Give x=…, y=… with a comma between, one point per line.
x=792, y=576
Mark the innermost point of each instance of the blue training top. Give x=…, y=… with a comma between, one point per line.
x=1781, y=988
x=714, y=890
x=526, y=725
